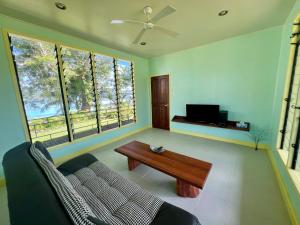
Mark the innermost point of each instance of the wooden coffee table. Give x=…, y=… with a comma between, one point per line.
x=190, y=173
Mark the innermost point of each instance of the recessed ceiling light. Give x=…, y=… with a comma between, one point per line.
x=223, y=13
x=143, y=43
x=60, y=5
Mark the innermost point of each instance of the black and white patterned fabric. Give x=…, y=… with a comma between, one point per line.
x=97, y=191
x=112, y=198
x=75, y=205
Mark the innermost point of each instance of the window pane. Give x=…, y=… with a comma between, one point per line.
x=105, y=79
x=80, y=91
x=125, y=92
x=37, y=71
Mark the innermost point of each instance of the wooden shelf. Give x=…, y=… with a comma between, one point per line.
x=230, y=124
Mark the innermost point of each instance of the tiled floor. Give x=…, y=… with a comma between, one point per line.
x=241, y=188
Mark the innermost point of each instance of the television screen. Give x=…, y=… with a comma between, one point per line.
x=203, y=113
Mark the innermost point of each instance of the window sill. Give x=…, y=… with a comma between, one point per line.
x=284, y=155
x=295, y=175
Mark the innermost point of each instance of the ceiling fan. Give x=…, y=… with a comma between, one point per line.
x=150, y=22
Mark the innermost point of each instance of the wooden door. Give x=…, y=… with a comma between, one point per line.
x=160, y=102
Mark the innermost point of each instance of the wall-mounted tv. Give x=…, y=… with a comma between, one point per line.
x=203, y=113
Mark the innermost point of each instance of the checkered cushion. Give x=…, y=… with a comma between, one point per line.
x=75, y=205
x=96, y=191
x=112, y=198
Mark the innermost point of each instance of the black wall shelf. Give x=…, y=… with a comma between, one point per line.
x=230, y=124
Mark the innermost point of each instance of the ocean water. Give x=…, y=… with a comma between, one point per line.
x=34, y=113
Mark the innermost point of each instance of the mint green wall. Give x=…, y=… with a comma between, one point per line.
x=237, y=73
x=244, y=74
x=11, y=129
x=278, y=97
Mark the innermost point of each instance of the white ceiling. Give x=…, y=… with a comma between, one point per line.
x=196, y=21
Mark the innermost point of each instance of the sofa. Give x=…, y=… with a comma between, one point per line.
x=32, y=198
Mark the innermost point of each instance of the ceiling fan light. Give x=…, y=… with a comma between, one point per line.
x=117, y=22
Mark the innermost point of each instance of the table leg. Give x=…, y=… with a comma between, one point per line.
x=185, y=189
x=132, y=164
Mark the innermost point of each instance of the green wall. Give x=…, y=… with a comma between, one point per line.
x=245, y=75
x=11, y=128
x=237, y=73
x=278, y=97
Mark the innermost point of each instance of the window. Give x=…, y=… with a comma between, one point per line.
x=106, y=87
x=124, y=74
x=39, y=83
x=290, y=126
x=68, y=93
x=80, y=92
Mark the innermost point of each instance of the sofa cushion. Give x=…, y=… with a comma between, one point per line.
x=74, y=204
x=113, y=198
x=76, y=164
x=39, y=145
x=96, y=191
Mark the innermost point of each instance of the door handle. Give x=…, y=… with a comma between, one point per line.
x=166, y=105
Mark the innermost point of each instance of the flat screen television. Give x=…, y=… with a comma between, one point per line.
x=203, y=113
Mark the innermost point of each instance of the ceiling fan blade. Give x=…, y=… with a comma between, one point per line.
x=119, y=21
x=166, y=31
x=163, y=13
x=139, y=36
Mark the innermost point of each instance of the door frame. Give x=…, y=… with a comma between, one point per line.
x=150, y=98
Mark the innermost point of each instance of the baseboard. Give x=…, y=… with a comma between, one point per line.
x=283, y=189
x=215, y=138
x=62, y=159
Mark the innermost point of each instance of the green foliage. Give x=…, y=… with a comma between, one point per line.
x=37, y=73
x=78, y=78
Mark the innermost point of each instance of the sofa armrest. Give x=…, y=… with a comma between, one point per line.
x=170, y=214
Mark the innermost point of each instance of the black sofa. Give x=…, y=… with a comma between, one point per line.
x=32, y=200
